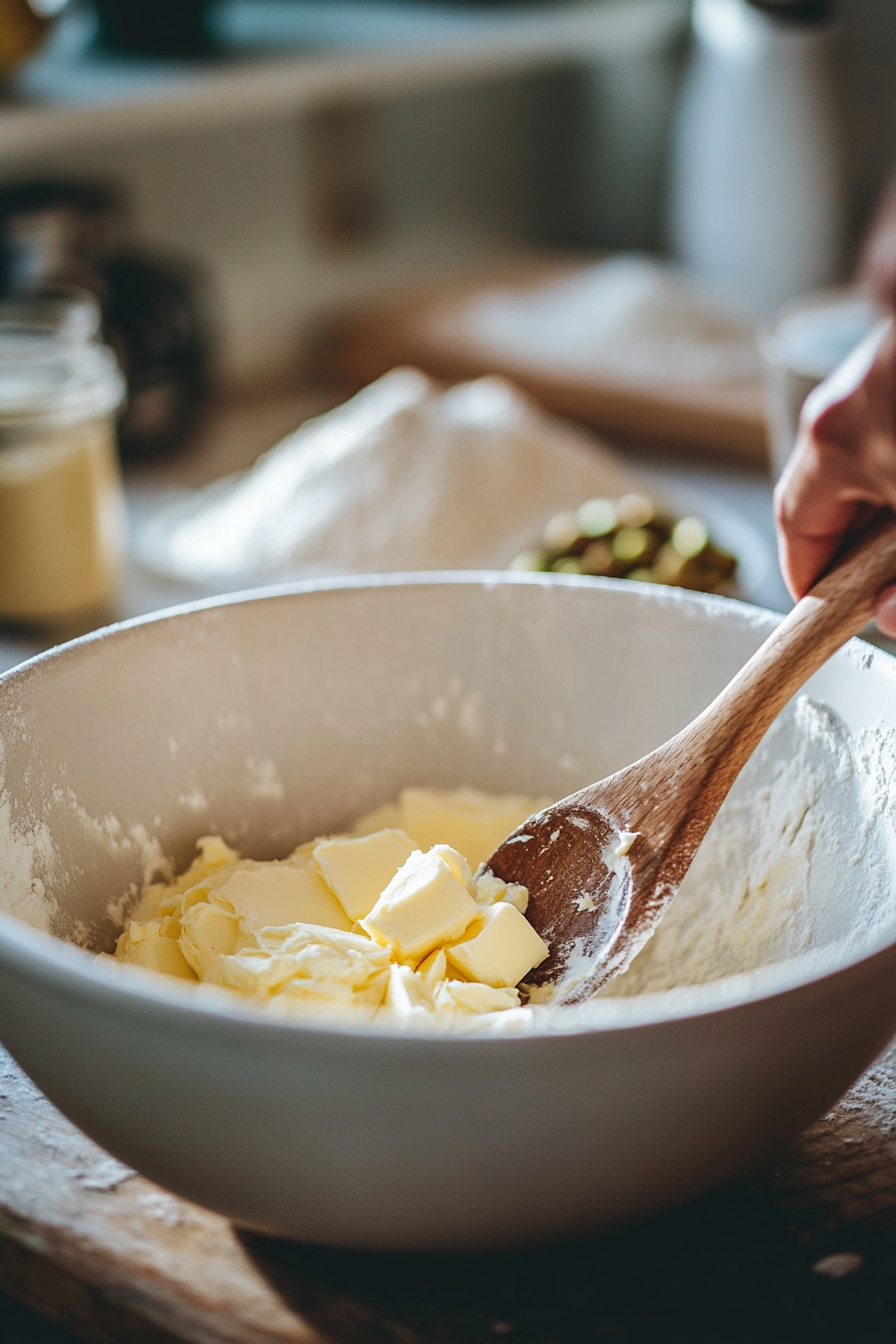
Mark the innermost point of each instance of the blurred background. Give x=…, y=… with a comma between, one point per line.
x=307, y=154
x=273, y=202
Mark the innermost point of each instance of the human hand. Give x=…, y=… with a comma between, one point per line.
x=843, y=467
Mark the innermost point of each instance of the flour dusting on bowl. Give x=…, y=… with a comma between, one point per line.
x=807, y=827
x=806, y=831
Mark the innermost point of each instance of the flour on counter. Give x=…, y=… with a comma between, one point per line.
x=799, y=857
x=629, y=318
x=404, y=476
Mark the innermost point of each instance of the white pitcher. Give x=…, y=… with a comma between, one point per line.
x=758, y=192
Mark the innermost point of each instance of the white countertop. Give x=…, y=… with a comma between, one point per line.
x=234, y=435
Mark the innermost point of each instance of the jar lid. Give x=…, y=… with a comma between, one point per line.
x=67, y=311
x=51, y=363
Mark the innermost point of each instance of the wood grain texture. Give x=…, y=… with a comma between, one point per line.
x=150, y=1256
x=64, y=1301
x=116, y=1259
x=587, y=910
x=430, y=330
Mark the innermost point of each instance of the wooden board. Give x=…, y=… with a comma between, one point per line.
x=119, y=1261
x=429, y=331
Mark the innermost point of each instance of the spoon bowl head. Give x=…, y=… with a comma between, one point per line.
x=573, y=861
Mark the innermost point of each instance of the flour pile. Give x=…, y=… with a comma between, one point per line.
x=629, y=318
x=801, y=856
x=402, y=477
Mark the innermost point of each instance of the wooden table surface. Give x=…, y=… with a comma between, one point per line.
x=108, y=1255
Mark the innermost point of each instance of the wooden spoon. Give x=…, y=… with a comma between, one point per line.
x=595, y=906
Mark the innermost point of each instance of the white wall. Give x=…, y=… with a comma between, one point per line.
x=449, y=169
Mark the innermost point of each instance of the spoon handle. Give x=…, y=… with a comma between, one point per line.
x=839, y=605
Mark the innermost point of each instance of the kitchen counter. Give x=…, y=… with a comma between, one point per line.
x=233, y=435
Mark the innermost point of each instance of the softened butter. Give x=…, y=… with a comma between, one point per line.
x=380, y=923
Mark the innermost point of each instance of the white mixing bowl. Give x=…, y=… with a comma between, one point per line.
x=289, y=713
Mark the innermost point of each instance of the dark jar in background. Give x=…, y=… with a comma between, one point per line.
x=155, y=27
x=62, y=232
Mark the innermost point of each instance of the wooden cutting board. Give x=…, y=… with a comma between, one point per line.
x=118, y=1261
x=429, y=330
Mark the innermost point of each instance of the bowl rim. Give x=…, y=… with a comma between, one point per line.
x=761, y=618
x=40, y=954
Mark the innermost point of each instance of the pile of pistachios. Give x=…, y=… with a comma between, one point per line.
x=631, y=538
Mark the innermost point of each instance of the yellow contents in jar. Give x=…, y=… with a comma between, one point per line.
x=379, y=922
x=61, y=522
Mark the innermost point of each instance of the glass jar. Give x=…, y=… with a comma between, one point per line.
x=61, y=499
x=811, y=335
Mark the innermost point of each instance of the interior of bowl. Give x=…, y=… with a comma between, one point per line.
x=274, y=718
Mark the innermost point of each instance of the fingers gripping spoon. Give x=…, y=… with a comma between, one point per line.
x=603, y=864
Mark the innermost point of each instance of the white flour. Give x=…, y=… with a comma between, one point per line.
x=27, y=859
x=800, y=856
x=402, y=477
x=22, y=892
x=33, y=875
x=629, y=318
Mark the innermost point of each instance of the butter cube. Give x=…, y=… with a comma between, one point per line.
x=359, y=870
x=407, y=991
x=162, y=954
x=499, y=949
x=433, y=968
x=459, y=867
x=490, y=889
x=208, y=932
x=478, y=998
x=424, y=905
x=272, y=895
x=381, y=818
x=472, y=822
